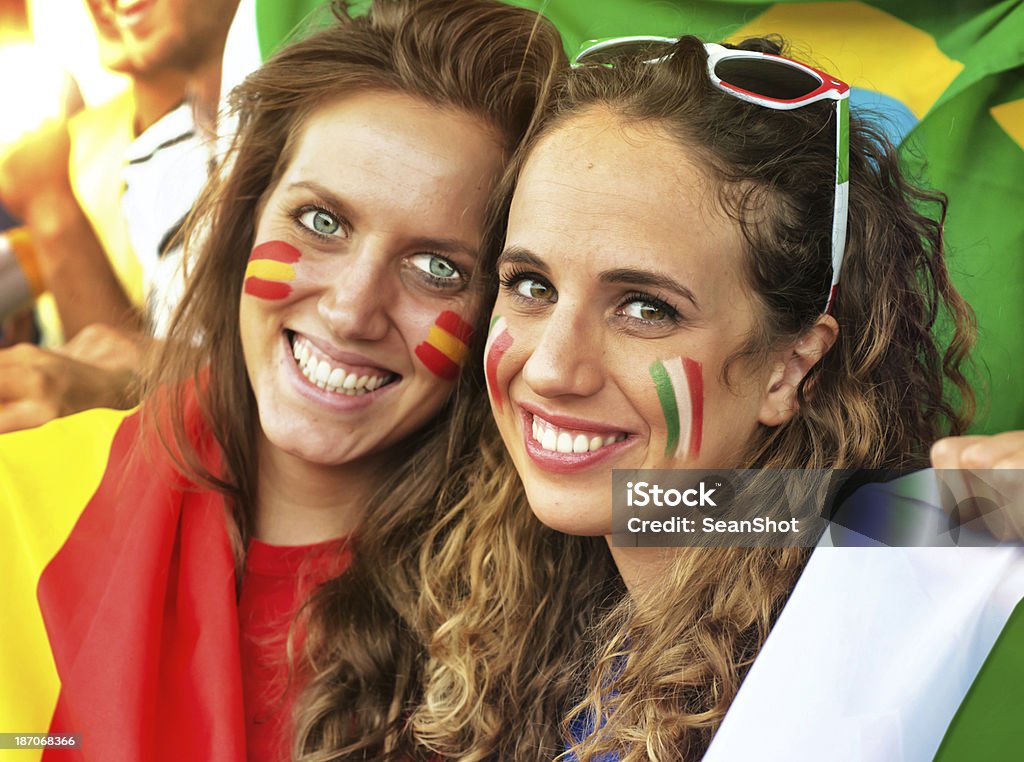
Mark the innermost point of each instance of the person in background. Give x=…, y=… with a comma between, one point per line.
x=91, y=192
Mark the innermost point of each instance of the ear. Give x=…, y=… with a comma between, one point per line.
x=780, y=403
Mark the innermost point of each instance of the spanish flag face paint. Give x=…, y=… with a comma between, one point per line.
x=271, y=270
x=445, y=349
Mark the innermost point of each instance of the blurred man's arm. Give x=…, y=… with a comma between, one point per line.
x=34, y=185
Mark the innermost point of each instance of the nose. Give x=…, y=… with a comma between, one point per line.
x=567, y=359
x=355, y=304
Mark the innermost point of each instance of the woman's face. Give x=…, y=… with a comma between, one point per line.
x=356, y=303
x=621, y=300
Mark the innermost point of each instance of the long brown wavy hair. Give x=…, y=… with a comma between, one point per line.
x=360, y=665
x=532, y=632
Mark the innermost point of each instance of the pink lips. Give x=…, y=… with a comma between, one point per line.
x=566, y=462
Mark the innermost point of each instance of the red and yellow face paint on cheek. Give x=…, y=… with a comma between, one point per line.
x=270, y=270
x=446, y=346
x=498, y=342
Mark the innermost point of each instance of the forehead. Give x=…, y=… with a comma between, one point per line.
x=623, y=195
x=386, y=142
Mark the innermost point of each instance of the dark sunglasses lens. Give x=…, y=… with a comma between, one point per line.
x=619, y=50
x=764, y=76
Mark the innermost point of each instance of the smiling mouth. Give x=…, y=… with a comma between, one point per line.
x=556, y=439
x=331, y=376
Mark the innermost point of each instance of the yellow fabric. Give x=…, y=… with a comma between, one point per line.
x=99, y=138
x=47, y=475
x=1010, y=116
x=886, y=54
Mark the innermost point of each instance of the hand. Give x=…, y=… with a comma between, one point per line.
x=108, y=347
x=985, y=473
x=17, y=328
x=38, y=385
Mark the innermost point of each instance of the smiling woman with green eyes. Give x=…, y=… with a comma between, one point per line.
x=297, y=423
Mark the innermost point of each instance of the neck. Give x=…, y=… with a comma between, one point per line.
x=301, y=503
x=204, y=90
x=642, y=569
x=155, y=94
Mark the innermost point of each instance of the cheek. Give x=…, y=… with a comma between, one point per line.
x=679, y=385
x=444, y=349
x=271, y=270
x=499, y=342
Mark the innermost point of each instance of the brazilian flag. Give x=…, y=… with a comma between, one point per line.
x=948, y=79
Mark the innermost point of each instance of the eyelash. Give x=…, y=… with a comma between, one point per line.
x=511, y=279
x=673, y=315
x=296, y=216
x=444, y=283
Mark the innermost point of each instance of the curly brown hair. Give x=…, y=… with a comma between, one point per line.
x=528, y=626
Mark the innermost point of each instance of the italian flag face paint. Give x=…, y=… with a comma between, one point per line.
x=269, y=272
x=680, y=386
x=498, y=342
x=445, y=348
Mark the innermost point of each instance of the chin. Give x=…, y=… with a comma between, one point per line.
x=563, y=515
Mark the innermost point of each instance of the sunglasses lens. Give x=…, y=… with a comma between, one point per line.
x=767, y=77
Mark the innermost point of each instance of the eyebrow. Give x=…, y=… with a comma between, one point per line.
x=440, y=245
x=649, y=279
x=517, y=255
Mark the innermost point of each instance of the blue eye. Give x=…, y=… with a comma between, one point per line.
x=437, y=272
x=437, y=267
x=320, y=222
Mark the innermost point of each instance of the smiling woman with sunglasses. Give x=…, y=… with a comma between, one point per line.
x=709, y=263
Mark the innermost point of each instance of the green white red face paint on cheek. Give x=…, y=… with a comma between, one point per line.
x=270, y=270
x=498, y=342
x=680, y=386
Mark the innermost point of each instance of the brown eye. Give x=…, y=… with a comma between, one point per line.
x=535, y=289
x=652, y=313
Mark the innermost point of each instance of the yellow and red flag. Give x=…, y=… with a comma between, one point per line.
x=119, y=608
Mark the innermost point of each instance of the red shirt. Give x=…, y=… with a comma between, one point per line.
x=277, y=581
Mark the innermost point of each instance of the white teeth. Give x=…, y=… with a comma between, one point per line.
x=555, y=439
x=320, y=372
x=323, y=372
x=550, y=436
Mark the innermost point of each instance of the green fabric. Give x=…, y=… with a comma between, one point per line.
x=956, y=146
x=988, y=726
x=278, y=21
